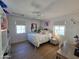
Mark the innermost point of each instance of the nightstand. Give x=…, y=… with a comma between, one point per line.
x=54, y=41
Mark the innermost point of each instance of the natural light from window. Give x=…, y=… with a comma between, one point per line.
x=59, y=29
x=20, y=29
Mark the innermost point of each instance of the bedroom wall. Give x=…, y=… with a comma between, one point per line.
x=71, y=29
x=50, y=26
x=13, y=21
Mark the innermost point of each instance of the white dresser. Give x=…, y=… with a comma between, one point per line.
x=67, y=53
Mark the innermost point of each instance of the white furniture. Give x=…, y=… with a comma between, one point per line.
x=67, y=51
x=54, y=41
x=37, y=38
x=4, y=42
x=69, y=55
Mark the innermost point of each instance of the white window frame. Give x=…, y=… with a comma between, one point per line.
x=20, y=29
x=59, y=31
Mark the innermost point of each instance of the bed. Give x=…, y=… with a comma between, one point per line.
x=38, y=38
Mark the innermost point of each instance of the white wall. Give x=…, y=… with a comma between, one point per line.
x=13, y=21
x=71, y=29
x=50, y=26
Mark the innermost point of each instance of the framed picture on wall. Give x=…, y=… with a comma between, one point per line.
x=46, y=23
x=33, y=27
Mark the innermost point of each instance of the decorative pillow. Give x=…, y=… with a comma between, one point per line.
x=42, y=32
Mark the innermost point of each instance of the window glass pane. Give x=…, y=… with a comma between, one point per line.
x=59, y=30
x=56, y=29
x=62, y=30
x=20, y=29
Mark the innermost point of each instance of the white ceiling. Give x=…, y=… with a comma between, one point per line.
x=46, y=8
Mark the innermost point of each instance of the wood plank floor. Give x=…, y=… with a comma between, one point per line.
x=25, y=50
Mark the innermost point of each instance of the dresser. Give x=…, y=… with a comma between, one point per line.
x=60, y=56
x=66, y=53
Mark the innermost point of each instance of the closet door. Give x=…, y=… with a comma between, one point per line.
x=1, y=55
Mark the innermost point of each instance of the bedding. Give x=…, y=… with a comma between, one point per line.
x=38, y=38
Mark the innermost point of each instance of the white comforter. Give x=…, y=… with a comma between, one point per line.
x=38, y=38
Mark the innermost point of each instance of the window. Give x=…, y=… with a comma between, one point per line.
x=20, y=29
x=60, y=30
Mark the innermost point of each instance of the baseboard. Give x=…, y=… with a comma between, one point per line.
x=18, y=42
